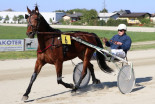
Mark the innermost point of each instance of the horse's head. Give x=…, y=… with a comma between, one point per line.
x=33, y=19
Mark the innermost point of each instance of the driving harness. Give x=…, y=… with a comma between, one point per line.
x=53, y=46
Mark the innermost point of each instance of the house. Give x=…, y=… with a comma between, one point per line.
x=53, y=17
x=72, y=17
x=107, y=16
x=153, y=18
x=134, y=18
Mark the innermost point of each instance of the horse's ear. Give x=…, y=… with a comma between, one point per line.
x=28, y=10
x=26, y=16
x=36, y=9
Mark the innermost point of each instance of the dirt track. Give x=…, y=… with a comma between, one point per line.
x=15, y=76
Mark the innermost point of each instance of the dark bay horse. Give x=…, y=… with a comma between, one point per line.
x=50, y=50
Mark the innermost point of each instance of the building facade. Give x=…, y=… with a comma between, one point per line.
x=72, y=17
x=134, y=18
x=107, y=16
x=50, y=17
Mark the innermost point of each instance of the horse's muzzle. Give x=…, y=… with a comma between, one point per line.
x=30, y=34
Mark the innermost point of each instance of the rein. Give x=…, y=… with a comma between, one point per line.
x=50, y=33
x=115, y=42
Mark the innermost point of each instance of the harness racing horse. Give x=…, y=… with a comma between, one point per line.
x=50, y=50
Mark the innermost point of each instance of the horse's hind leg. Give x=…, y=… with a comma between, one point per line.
x=91, y=68
x=38, y=67
x=58, y=66
x=94, y=79
x=87, y=57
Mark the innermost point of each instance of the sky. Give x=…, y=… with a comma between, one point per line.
x=52, y=5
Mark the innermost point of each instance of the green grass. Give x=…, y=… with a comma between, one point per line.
x=18, y=55
x=10, y=32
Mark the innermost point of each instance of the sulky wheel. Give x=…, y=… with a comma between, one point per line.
x=77, y=74
x=126, y=79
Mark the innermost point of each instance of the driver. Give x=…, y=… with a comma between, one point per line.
x=119, y=43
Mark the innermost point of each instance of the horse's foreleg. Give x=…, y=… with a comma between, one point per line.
x=38, y=67
x=58, y=66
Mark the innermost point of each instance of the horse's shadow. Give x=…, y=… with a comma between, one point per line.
x=100, y=86
x=48, y=96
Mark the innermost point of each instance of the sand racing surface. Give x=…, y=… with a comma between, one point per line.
x=15, y=76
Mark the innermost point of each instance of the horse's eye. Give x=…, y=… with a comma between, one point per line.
x=36, y=19
x=26, y=16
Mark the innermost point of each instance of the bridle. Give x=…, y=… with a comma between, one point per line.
x=34, y=28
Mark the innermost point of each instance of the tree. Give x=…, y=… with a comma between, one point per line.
x=101, y=23
x=76, y=10
x=59, y=11
x=104, y=11
x=90, y=17
x=6, y=18
x=69, y=11
x=20, y=17
x=15, y=18
x=51, y=21
x=66, y=22
x=112, y=22
x=145, y=21
x=1, y=18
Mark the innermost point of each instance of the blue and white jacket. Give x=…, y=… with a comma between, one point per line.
x=125, y=39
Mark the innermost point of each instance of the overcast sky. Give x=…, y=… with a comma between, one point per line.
x=52, y=5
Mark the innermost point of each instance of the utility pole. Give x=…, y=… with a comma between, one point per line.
x=104, y=5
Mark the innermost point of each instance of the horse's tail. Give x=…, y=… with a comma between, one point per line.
x=101, y=58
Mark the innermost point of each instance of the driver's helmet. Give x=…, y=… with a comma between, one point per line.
x=122, y=27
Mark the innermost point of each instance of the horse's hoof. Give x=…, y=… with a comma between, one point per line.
x=73, y=93
x=24, y=98
x=72, y=86
x=97, y=82
x=74, y=90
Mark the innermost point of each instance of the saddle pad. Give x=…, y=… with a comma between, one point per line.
x=66, y=39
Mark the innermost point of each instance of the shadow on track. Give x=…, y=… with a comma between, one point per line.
x=49, y=96
x=96, y=87
x=139, y=81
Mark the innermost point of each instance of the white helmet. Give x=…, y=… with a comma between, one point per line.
x=122, y=27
